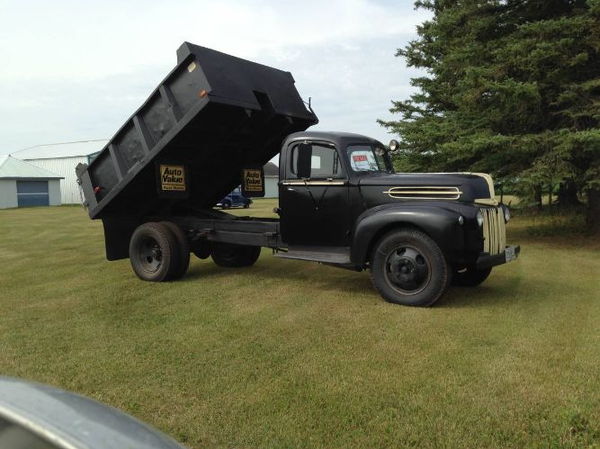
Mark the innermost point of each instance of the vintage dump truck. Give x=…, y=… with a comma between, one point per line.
x=213, y=123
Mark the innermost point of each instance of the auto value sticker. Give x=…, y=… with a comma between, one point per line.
x=252, y=180
x=172, y=178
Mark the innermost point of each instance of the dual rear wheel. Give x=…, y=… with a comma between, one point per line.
x=160, y=251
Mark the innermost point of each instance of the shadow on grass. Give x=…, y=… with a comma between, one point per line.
x=344, y=282
x=481, y=296
x=324, y=277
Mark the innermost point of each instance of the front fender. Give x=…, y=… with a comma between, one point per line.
x=440, y=223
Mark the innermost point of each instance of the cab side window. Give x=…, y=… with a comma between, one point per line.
x=324, y=162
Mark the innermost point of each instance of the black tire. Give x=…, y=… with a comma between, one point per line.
x=246, y=206
x=203, y=250
x=409, y=268
x=234, y=256
x=470, y=277
x=152, y=252
x=225, y=205
x=182, y=258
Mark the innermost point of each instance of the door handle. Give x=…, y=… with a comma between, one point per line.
x=291, y=189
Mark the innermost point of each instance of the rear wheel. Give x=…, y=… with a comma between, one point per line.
x=152, y=252
x=182, y=257
x=231, y=256
x=409, y=268
x=470, y=276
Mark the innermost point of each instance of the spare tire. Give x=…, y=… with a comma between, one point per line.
x=202, y=250
x=233, y=256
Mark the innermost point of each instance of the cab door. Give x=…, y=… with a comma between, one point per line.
x=313, y=196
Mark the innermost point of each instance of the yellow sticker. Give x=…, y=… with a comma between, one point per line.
x=252, y=180
x=172, y=178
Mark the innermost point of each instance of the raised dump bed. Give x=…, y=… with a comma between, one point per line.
x=186, y=146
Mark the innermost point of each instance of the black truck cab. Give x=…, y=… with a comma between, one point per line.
x=318, y=188
x=214, y=122
x=339, y=195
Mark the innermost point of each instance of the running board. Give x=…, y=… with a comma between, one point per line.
x=324, y=254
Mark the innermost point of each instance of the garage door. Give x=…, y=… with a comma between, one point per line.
x=32, y=193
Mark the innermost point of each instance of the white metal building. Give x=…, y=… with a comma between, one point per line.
x=23, y=184
x=271, y=180
x=62, y=158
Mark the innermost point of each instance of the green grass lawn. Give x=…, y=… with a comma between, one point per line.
x=290, y=354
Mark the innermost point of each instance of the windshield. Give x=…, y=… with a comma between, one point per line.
x=368, y=158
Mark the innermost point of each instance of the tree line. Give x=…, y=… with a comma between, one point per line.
x=511, y=87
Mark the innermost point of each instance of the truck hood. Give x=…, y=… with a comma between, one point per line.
x=451, y=186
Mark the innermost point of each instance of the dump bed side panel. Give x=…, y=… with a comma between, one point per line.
x=213, y=115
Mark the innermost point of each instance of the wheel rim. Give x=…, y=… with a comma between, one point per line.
x=407, y=270
x=150, y=255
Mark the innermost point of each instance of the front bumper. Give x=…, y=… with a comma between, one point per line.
x=491, y=260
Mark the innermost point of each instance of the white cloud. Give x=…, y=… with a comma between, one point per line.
x=77, y=69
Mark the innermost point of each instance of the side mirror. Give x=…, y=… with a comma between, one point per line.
x=303, y=164
x=34, y=416
x=393, y=145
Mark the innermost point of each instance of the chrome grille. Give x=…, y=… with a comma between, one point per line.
x=494, y=230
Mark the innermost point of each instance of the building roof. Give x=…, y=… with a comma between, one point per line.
x=60, y=150
x=271, y=169
x=11, y=168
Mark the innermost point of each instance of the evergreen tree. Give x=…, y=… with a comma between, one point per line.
x=512, y=87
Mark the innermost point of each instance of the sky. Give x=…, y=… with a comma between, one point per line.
x=77, y=69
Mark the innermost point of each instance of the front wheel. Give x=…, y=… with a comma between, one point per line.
x=470, y=277
x=409, y=268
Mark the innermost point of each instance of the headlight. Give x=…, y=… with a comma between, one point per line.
x=506, y=214
x=479, y=218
